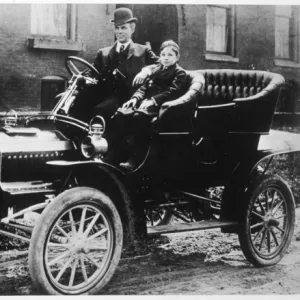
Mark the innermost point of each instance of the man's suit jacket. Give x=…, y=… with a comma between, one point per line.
x=138, y=57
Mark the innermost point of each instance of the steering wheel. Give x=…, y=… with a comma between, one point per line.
x=73, y=69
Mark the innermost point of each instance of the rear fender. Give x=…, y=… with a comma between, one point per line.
x=245, y=171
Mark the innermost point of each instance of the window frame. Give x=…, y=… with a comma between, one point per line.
x=68, y=42
x=230, y=54
x=293, y=61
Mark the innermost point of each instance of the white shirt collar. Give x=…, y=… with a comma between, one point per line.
x=119, y=45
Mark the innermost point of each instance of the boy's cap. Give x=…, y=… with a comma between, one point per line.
x=171, y=44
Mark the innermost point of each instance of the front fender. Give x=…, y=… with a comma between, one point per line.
x=92, y=164
x=114, y=184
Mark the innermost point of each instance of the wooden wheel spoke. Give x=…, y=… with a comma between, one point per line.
x=86, y=233
x=62, y=231
x=98, y=234
x=258, y=234
x=73, y=226
x=276, y=207
x=262, y=240
x=255, y=213
x=280, y=216
x=274, y=237
x=63, y=269
x=74, y=267
x=280, y=229
x=82, y=221
x=269, y=241
x=273, y=198
x=58, y=258
x=257, y=225
x=93, y=261
x=83, y=270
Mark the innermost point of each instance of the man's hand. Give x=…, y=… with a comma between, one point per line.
x=140, y=78
x=90, y=81
x=130, y=103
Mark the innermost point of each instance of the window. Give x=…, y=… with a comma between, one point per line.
x=53, y=26
x=287, y=34
x=54, y=20
x=220, y=32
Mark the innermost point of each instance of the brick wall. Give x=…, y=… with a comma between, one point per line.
x=255, y=43
x=22, y=68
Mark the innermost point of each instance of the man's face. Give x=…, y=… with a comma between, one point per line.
x=124, y=32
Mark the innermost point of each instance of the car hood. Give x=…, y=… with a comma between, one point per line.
x=32, y=139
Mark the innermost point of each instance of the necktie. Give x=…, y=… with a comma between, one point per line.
x=122, y=48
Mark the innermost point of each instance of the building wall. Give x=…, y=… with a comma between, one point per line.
x=255, y=42
x=22, y=68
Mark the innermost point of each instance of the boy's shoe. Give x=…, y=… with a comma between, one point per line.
x=129, y=165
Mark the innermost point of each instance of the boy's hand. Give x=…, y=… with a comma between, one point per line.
x=147, y=103
x=130, y=103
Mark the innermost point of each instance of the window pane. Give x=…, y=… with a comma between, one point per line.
x=282, y=42
x=216, y=29
x=49, y=19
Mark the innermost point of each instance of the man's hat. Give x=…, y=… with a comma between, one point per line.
x=123, y=15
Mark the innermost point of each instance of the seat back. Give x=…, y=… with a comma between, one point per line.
x=237, y=101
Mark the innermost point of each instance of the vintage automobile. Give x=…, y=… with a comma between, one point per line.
x=215, y=135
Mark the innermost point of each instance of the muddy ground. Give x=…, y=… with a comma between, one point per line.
x=199, y=263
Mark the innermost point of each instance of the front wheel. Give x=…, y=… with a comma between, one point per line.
x=269, y=221
x=76, y=245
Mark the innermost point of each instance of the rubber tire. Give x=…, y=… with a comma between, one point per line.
x=261, y=184
x=48, y=217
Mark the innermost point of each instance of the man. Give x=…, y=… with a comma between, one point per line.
x=120, y=65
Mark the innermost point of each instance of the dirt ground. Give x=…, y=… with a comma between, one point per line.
x=199, y=263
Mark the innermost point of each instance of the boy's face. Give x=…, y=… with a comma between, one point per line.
x=168, y=57
x=124, y=32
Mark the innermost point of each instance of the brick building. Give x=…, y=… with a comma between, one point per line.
x=36, y=38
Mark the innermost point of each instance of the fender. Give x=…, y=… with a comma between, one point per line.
x=113, y=183
x=276, y=143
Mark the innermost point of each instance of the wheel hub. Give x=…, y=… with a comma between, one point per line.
x=79, y=245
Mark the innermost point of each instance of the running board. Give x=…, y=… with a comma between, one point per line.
x=192, y=226
x=29, y=187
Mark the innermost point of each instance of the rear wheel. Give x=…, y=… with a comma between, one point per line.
x=76, y=245
x=269, y=221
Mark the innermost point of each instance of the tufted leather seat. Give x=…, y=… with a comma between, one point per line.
x=236, y=101
x=241, y=101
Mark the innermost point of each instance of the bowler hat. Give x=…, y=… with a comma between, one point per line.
x=123, y=15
